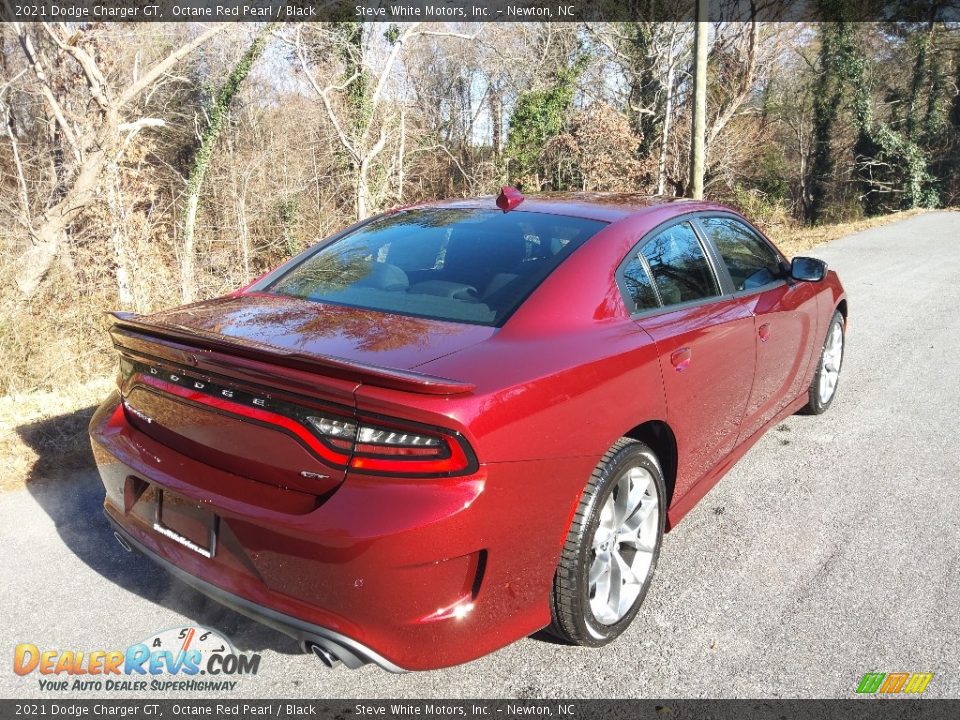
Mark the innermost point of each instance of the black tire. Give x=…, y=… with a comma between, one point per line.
x=573, y=619
x=815, y=404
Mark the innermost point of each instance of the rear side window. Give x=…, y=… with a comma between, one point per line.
x=751, y=261
x=638, y=284
x=680, y=268
x=457, y=264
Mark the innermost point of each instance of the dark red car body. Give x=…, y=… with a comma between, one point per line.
x=419, y=573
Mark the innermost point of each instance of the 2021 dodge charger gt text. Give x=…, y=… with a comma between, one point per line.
x=454, y=424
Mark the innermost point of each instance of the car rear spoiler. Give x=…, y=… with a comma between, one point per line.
x=135, y=333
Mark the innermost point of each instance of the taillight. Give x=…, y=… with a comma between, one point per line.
x=373, y=445
x=397, y=442
x=339, y=433
x=381, y=449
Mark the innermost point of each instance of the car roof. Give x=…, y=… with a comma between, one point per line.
x=605, y=206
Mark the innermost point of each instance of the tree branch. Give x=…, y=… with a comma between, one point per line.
x=324, y=96
x=95, y=80
x=34, y=59
x=15, y=150
x=388, y=65
x=154, y=73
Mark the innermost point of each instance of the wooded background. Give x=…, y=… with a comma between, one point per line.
x=145, y=165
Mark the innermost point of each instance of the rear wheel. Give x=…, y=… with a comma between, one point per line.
x=612, y=547
x=823, y=387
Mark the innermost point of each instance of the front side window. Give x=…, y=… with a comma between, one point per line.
x=458, y=264
x=679, y=266
x=751, y=261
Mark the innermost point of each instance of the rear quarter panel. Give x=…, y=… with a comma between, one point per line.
x=563, y=395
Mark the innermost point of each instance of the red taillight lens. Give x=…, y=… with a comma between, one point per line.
x=395, y=450
x=255, y=413
x=370, y=445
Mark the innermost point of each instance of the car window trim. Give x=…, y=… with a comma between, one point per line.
x=621, y=275
x=720, y=271
x=776, y=282
x=723, y=282
x=648, y=269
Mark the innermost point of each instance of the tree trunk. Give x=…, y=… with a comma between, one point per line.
x=219, y=114
x=401, y=154
x=118, y=220
x=698, y=130
x=76, y=186
x=827, y=96
x=665, y=135
x=362, y=190
x=243, y=231
x=17, y=163
x=187, y=273
x=496, y=115
x=49, y=236
x=36, y=262
x=924, y=45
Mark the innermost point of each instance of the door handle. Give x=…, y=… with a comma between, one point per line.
x=764, y=332
x=681, y=358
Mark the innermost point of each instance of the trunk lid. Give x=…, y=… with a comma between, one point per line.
x=234, y=382
x=367, y=337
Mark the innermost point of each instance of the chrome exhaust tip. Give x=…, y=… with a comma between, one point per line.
x=325, y=656
x=123, y=542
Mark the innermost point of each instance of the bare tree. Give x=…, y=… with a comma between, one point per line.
x=674, y=56
x=89, y=145
x=357, y=105
x=217, y=119
x=698, y=126
x=9, y=129
x=649, y=55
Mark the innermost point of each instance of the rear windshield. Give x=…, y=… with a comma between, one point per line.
x=466, y=265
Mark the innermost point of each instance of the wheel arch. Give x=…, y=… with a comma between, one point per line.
x=660, y=438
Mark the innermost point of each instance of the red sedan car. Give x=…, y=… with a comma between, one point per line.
x=455, y=424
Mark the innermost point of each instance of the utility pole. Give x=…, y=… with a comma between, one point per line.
x=698, y=131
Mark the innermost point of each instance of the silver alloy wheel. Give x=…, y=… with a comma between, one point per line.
x=832, y=358
x=623, y=545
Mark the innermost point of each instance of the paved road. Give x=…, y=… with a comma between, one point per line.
x=831, y=549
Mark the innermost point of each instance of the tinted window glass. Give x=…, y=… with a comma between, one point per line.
x=679, y=266
x=749, y=259
x=637, y=281
x=466, y=265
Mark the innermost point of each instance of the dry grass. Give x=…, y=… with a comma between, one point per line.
x=44, y=434
x=795, y=239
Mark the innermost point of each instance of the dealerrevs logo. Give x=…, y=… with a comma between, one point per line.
x=188, y=658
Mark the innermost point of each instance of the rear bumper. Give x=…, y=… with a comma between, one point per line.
x=352, y=653
x=407, y=574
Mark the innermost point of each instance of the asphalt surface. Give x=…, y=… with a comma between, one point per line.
x=832, y=549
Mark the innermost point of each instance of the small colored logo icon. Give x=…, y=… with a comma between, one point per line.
x=892, y=683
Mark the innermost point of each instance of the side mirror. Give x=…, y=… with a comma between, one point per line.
x=808, y=269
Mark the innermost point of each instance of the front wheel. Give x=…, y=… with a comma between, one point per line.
x=823, y=387
x=612, y=547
